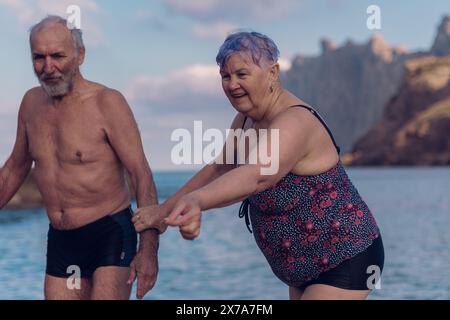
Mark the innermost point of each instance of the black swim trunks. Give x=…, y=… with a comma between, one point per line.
x=362, y=272
x=109, y=241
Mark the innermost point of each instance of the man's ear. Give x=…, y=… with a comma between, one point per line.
x=81, y=55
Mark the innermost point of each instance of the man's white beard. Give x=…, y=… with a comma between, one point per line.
x=60, y=89
x=57, y=90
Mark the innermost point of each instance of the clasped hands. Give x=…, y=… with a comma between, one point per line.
x=186, y=214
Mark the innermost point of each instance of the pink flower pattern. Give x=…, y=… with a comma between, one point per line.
x=306, y=225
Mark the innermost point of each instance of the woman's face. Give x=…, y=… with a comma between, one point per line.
x=245, y=84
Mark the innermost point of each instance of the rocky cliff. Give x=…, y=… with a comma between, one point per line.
x=348, y=85
x=441, y=45
x=28, y=196
x=351, y=85
x=415, y=127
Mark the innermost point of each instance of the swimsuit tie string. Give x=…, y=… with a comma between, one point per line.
x=244, y=212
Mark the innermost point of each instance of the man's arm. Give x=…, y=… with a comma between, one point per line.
x=18, y=165
x=124, y=137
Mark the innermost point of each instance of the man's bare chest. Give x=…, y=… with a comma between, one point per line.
x=67, y=136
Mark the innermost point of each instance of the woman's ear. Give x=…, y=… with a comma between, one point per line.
x=274, y=71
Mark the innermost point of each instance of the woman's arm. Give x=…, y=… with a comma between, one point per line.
x=206, y=175
x=152, y=216
x=246, y=180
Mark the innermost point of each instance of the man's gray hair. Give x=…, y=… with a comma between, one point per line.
x=77, y=36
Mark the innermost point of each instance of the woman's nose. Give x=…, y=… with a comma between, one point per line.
x=233, y=84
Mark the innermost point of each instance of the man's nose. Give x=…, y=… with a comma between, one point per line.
x=48, y=65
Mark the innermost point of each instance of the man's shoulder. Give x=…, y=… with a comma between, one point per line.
x=111, y=99
x=32, y=97
x=112, y=103
x=33, y=93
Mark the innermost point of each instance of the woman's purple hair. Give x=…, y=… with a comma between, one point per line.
x=257, y=45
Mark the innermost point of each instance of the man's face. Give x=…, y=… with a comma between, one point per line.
x=55, y=59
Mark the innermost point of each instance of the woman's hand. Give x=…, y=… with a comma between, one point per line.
x=150, y=217
x=187, y=215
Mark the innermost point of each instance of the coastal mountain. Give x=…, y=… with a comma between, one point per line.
x=441, y=45
x=352, y=84
x=348, y=85
x=415, y=127
x=27, y=197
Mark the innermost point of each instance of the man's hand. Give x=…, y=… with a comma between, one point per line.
x=145, y=267
x=150, y=217
x=187, y=215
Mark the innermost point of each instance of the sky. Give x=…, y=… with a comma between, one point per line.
x=161, y=53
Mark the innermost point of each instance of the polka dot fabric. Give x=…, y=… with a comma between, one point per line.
x=306, y=225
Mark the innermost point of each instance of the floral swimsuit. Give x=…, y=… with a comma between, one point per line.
x=306, y=225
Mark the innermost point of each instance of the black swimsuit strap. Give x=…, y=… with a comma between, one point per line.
x=245, y=206
x=315, y=113
x=318, y=116
x=245, y=120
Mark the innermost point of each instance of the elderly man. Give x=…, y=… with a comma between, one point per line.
x=82, y=136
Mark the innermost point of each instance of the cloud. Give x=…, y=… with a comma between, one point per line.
x=194, y=87
x=175, y=100
x=285, y=64
x=30, y=12
x=233, y=10
x=150, y=20
x=21, y=8
x=217, y=30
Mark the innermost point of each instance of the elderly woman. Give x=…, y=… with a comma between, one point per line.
x=315, y=231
